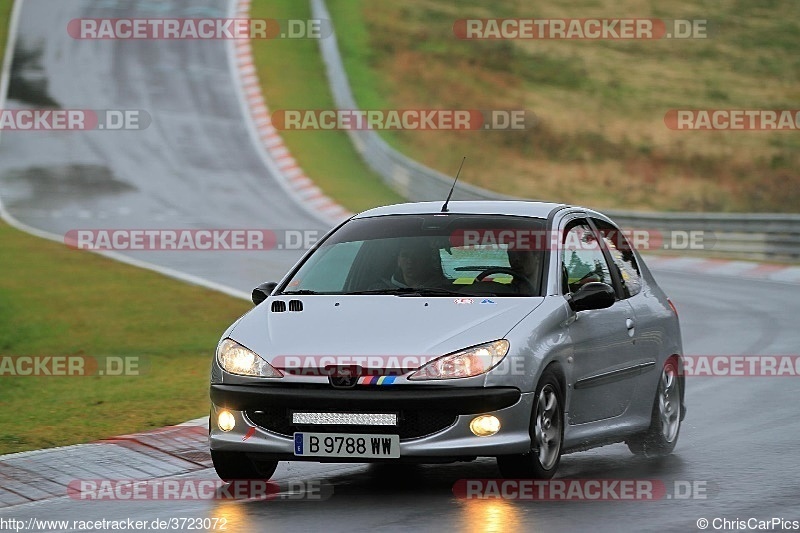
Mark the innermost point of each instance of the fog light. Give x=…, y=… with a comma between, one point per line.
x=485, y=425
x=225, y=421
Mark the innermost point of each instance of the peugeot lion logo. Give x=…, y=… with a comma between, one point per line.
x=343, y=376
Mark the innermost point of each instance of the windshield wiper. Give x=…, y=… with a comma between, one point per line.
x=412, y=291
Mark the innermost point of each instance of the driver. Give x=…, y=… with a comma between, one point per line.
x=418, y=265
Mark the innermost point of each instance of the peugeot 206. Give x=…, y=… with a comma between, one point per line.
x=433, y=333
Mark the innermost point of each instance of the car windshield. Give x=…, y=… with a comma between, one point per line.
x=427, y=255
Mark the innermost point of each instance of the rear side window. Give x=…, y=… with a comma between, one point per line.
x=624, y=259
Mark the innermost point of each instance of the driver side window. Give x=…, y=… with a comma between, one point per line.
x=582, y=258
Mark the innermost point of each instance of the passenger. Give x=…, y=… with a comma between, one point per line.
x=526, y=263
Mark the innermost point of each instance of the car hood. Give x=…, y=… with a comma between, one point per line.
x=382, y=325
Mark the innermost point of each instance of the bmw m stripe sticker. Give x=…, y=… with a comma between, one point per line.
x=376, y=380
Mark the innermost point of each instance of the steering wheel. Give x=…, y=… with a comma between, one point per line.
x=509, y=271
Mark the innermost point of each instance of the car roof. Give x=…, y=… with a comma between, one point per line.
x=479, y=207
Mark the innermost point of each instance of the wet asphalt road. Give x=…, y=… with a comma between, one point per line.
x=738, y=442
x=196, y=167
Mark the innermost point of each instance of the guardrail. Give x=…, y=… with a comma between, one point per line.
x=746, y=235
x=742, y=235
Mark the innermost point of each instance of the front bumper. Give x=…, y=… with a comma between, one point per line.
x=452, y=442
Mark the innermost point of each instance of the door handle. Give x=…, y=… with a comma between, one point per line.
x=629, y=323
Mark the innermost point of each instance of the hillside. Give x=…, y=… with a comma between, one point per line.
x=601, y=137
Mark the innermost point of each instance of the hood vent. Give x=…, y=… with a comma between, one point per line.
x=278, y=306
x=295, y=305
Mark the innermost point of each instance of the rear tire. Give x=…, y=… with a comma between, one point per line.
x=231, y=466
x=547, y=434
x=661, y=437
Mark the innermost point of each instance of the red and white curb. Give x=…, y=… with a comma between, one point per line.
x=29, y=477
x=727, y=268
x=302, y=187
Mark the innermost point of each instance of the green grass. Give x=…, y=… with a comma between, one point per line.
x=293, y=77
x=57, y=301
x=5, y=15
x=600, y=139
x=369, y=88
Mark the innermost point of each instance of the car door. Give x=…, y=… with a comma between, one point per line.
x=648, y=311
x=603, y=352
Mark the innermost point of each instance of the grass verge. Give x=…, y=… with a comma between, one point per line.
x=293, y=77
x=601, y=139
x=56, y=301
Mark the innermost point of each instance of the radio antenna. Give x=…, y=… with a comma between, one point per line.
x=444, y=207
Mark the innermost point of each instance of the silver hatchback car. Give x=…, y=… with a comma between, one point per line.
x=426, y=333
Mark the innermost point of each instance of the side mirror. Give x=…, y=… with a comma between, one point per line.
x=594, y=295
x=263, y=291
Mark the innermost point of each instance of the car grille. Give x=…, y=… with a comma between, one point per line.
x=412, y=423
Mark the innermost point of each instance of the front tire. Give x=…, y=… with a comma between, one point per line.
x=231, y=466
x=661, y=437
x=547, y=434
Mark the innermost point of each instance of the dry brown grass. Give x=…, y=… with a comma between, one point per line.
x=601, y=139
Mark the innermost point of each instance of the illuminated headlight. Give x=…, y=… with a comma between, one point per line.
x=237, y=359
x=464, y=364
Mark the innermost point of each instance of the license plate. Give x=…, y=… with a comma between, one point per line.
x=348, y=445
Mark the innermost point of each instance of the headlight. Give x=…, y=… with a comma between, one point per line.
x=237, y=359
x=466, y=363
